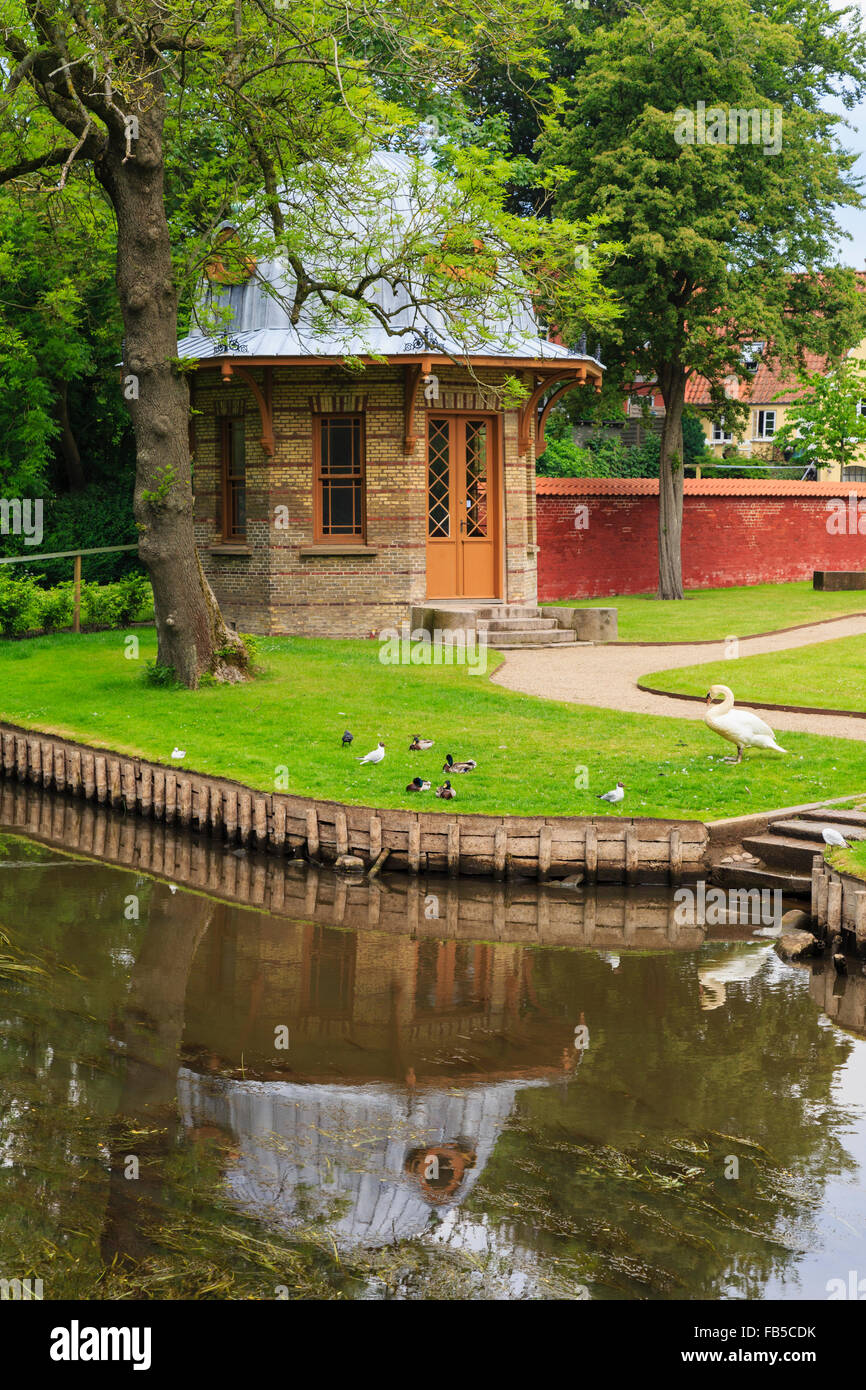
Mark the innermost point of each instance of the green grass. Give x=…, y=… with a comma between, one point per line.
x=706, y=615
x=851, y=860
x=530, y=751
x=828, y=675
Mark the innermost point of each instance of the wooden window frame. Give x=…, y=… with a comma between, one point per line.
x=760, y=435
x=227, y=424
x=320, y=536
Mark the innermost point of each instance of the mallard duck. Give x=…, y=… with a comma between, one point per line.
x=376, y=756
x=417, y=785
x=446, y=792
x=420, y=745
x=450, y=766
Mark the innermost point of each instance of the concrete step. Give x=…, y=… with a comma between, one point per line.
x=508, y=610
x=808, y=830
x=783, y=851
x=511, y=640
x=833, y=815
x=521, y=624
x=761, y=876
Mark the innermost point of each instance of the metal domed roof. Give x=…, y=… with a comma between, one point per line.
x=369, y=221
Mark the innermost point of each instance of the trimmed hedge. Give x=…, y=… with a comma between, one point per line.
x=26, y=607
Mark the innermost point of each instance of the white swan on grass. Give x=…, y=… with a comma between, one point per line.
x=739, y=726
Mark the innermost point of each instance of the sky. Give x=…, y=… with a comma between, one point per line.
x=853, y=220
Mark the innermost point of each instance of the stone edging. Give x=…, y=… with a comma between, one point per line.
x=748, y=637
x=607, y=849
x=838, y=903
x=757, y=704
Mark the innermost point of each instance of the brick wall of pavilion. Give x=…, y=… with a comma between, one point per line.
x=276, y=588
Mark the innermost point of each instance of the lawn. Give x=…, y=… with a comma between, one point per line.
x=851, y=860
x=713, y=614
x=828, y=675
x=531, y=753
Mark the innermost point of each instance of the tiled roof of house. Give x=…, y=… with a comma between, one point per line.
x=699, y=487
x=770, y=383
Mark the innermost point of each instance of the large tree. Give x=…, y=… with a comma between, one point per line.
x=696, y=129
x=187, y=111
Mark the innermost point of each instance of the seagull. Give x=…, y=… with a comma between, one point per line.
x=832, y=837
x=376, y=756
x=347, y=739
x=616, y=794
x=178, y=753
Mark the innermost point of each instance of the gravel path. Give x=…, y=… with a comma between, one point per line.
x=607, y=676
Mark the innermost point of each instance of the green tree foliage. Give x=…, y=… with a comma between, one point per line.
x=726, y=239
x=827, y=423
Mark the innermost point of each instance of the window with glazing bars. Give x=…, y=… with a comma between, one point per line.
x=340, y=502
x=234, y=480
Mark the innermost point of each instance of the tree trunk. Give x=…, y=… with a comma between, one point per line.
x=192, y=635
x=672, y=381
x=67, y=442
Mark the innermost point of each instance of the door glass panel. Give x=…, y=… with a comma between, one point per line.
x=476, y=478
x=438, y=480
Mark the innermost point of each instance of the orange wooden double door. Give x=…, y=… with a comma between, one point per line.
x=463, y=505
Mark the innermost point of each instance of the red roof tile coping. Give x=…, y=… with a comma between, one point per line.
x=694, y=487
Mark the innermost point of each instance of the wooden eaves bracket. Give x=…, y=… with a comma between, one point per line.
x=264, y=399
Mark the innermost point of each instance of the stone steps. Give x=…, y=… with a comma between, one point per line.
x=783, y=853
x=505, y=640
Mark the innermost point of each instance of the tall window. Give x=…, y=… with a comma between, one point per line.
x=721, y=435
x=340, y=501
x=234, y=480
x=765, y=424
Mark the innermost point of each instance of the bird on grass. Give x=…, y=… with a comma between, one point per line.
x=615, y=795
x=347, y=739
x=178, y=753
x=450, y=766
x=376, y=756
x=420, y=745
x=446, y=792
x=417, y=785
x=833, y=837
x=739, y=726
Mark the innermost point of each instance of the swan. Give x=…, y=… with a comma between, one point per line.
x=739, y=726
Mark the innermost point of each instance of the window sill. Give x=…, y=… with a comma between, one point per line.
x=227, y=548
x=309, y=552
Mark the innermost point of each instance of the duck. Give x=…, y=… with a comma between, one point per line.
x=376, y=756
x=446, y=792
x=420, y=745
x=449, y=765
x=417, y=785
x=739, y=726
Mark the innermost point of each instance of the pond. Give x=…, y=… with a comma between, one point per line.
x=245, y=1078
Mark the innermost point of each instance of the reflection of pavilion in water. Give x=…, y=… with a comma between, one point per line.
x=404, y=1062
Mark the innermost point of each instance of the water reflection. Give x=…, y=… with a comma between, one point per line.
x=529, y=1114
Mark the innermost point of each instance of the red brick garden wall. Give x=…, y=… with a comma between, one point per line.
x=734, y=532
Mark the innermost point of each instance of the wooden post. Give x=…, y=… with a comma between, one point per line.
x=818, y=871
x=76, y=602
x=860, y=919
x=591, y=853
x=834, y=905
x=631, y=853
x=545, y=841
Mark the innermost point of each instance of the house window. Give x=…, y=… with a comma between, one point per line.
x=861, y=408
x=234, y=516
x=720, y=434
x=340, y=500
x=766, y=426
